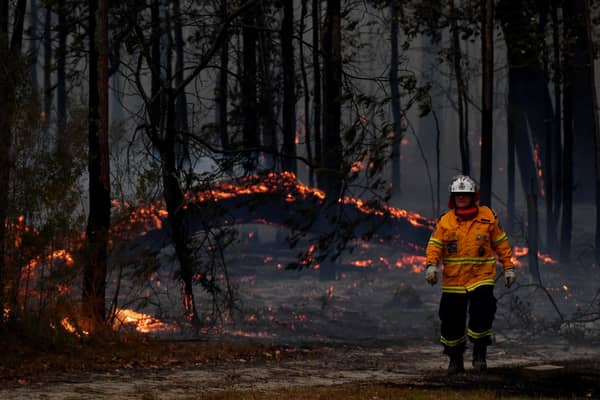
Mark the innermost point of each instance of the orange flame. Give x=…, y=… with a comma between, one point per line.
x=143, y=323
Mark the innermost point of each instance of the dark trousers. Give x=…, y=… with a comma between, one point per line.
x=481, y=305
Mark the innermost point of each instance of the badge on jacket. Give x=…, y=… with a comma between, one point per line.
x=452, y=247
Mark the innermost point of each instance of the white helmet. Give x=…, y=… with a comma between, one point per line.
x=462, y=184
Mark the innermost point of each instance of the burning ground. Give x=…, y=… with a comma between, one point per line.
x=375, y=324
x=370, y=319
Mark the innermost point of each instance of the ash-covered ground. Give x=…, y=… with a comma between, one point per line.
x=377, y=294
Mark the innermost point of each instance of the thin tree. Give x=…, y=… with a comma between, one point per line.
x=98, y=224
x=61, y=79
x=554, y=200
x=10, y=53
x=306, y=89
x=332, y=150
x=182, y=125
x=221, y=88
x=316, y=63
x=463, y=108
x=33, y=43
x=596, y=122
x=396, y=106
x=487, y=78
x=289, y=87
x=267, y=91
x=567, y=156
x=47, y=65
x=249, y=106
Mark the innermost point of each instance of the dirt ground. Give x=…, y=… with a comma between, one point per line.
x=563, y=371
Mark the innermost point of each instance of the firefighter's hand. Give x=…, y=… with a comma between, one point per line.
x=509, y=277
x=431, y=274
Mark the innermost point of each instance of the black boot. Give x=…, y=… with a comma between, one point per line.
x=479, y=353
x=456, y=364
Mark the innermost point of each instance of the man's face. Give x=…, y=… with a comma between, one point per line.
x=463, y=200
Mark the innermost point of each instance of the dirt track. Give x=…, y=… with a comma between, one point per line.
x=420, y=365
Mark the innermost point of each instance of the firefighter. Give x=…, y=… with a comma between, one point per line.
x=466, y=240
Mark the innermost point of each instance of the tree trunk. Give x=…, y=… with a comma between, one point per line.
x=574, y=17
x=532, y=233
x=555, y=205
x=222, y=91
x=463, y=130
x=182, y=126
x=316, y=28
x=396, y=106
x=94, y=279
x=567, y=163
x=249, y=109
x=332, y=156
x=510, y=167
x=289, y=87
x=487, y=79
x=155, y=65
x=530, y=95
x=47, y=75
x=596, y=124
x=10, y=51
x=61, y=81
x=33, y=44
x=164, y=139
x=174, y=200
x=6, y=111
x=307, y=114
x=267, y=94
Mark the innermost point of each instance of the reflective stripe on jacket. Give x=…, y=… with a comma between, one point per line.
x=468, y=249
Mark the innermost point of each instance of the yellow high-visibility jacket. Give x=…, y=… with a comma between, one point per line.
x=468, y=249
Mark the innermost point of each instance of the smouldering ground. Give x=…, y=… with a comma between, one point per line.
x=368, y=334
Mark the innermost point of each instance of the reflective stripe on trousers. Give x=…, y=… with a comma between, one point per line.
x=481, y=306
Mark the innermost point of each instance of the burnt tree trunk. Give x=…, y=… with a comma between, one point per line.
x=396, y=106
x=596, y=123
x=289, y=87
x=554, y=204
x=463, y=131
x=249, y=109
x=47, y=42
x=94, y=277
x=222, y=92
x=529, y=90
x=332, y=150
x=487, y=50
x=306, y=89
x=164, y=138
x=155, y=65
x=510, y=167
x=174, y=200
x=181, y=125
x=317, y=101
x=267, y=94
x=33, y=44
x=567, y=156
x=7, y=92
x=575, y=14
x=532, y=233
x=10, y=51
x=62, y=144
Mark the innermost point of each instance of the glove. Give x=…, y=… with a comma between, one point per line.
x=509, y=277
x=431, y=274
